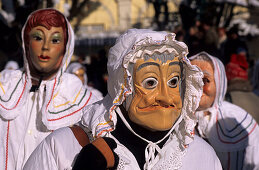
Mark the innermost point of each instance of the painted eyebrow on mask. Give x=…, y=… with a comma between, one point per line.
x=147, y=64
x=174, y=63
x=56, y=33
x=207, y=73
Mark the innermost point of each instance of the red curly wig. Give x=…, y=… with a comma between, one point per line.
x=47, y=18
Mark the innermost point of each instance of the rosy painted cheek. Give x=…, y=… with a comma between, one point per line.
x=57, y=48
x=206, y=89
x=35, y=46
x=55, y=51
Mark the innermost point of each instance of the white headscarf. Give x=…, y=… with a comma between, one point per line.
x=101, y=117
x=74, y=67
x=12, y=65
x=65, y=95
x=230, y=128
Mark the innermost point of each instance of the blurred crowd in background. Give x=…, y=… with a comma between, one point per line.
x=204, y=25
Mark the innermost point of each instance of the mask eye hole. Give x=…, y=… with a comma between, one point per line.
x=150, y=83
x=55, y=41
x=205, y=80
x=173, y=82
x=37, y=37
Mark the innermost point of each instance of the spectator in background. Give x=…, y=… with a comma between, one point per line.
x=210, y=37
x=231, y=130
x=194, y=38
x=188, y=14
x=80, y=71
x=233, y=42
x=7, y=11
x=237, y=66
x=158, y=5
x=12, y=65
x=222, y=36
x=239, y=89
x=97, y=71
x=180, y=33
x=221, y=42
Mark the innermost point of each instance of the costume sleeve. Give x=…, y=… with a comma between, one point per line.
x=200, y=155
x=246, y=158
x=41, y=157
x=251, y=157
x=56, y=152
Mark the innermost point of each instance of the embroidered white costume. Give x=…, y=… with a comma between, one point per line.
x=26, y=118
x=230, y=130
x=182, y=150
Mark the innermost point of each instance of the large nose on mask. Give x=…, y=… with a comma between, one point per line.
x=45, y=45
x=163, y=97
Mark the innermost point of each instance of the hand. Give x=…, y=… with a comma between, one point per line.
x=98, y=155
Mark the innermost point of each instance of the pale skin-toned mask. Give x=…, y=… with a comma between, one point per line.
x=80, y=74
x=157, y=102
x=46, y=50
x=209, y=88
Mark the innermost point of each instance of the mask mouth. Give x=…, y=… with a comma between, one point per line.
x=44, y=58
x=155, y=107
x=127, y=122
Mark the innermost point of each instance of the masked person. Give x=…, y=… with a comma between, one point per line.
x=12, y=65
x=146, y=119
x=80, y=71
x=41, y=97
x=231, y=131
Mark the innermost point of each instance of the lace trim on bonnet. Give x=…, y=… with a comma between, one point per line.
x=193, y=83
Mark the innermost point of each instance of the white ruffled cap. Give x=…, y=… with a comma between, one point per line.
x=126, y=51
x=101, y=117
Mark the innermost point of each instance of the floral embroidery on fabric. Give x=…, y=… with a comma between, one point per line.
x=121, y=165
x=174, y=161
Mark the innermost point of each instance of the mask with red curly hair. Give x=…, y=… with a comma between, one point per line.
x=47, y=18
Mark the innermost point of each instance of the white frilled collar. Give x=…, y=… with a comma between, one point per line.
x=63, y=98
